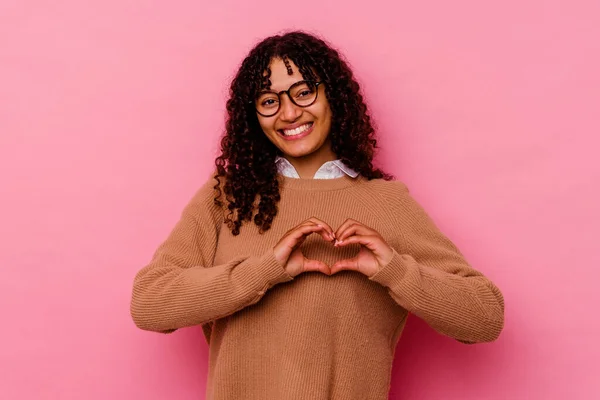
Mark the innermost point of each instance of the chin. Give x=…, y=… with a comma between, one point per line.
x=299, y=151
x=298, y=148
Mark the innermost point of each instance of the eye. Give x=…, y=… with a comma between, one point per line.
x=268, y=102
x=303, y=90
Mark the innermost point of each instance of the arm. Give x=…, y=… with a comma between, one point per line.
x=180, y=287
x=432, y=280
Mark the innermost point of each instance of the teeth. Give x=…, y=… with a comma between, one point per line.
x=296, y=131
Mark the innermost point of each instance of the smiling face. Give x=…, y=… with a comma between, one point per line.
x=297, y=131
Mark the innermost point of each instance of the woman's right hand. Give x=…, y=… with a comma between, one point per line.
x=287, y=251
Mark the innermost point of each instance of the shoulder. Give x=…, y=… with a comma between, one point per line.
x=203, y=204
x=383, y=195
x=390, y=190
x=396, y=197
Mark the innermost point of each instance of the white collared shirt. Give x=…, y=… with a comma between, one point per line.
x=330, y=170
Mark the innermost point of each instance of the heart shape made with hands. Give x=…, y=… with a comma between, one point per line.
x=375, y=253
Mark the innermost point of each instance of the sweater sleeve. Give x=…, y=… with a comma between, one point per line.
x=432, y=280
x=180, y=287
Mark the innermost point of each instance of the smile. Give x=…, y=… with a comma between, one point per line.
x=296, y=133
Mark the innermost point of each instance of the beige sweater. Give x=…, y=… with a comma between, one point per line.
x=314, y=336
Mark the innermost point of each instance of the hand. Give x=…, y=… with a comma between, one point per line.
x=287, y=250
x=374, y=252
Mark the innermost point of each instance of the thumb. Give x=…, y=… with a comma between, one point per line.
x=315, y=265
x=348, y=264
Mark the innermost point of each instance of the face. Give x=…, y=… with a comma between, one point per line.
x=297, y=131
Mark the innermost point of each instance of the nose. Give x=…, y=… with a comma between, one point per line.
x=289, y=111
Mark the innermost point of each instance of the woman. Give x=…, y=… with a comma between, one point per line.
x=288, y=314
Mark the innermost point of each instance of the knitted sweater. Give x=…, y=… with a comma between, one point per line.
x=313, y=336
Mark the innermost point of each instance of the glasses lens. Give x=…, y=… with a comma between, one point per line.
x=303, y=93
x=267, y=103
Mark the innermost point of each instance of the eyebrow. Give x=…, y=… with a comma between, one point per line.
x=265, y=90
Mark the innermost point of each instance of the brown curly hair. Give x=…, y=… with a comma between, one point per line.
x=247, y=160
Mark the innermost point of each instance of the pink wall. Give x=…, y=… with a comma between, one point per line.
x=109, y=117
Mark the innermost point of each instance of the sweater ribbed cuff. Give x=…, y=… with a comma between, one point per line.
x=270, y=272
x=392, y=273
x=262, y=273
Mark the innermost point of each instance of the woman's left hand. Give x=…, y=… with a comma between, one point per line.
x=374, y=253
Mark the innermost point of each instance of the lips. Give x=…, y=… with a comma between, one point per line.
x=296, y=131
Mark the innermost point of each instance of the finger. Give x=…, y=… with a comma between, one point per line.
x=345, y=226
x=300, y=234
x=326, y=233
x=315, y=265
x=354, y=229
x=290, y=231
x=325, y=225
x=327, y=236
x=369, y=241
x=350, y=264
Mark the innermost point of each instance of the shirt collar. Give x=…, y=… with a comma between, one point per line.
x=329, y=170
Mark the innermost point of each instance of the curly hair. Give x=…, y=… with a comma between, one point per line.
x=247, y=160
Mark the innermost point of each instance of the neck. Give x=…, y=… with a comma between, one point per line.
x=308, y=165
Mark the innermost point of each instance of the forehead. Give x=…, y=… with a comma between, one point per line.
x=280, y=74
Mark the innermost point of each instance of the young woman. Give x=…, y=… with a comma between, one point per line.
x=300, y=259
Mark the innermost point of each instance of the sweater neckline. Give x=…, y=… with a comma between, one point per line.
x=322, y=185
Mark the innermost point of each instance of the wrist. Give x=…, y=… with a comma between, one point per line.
x=387, y=258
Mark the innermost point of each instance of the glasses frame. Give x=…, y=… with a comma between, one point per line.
x=316, y=83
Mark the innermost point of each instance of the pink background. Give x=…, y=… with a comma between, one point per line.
x=110, y=113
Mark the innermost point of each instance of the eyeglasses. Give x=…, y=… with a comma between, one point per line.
x=302, y=94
